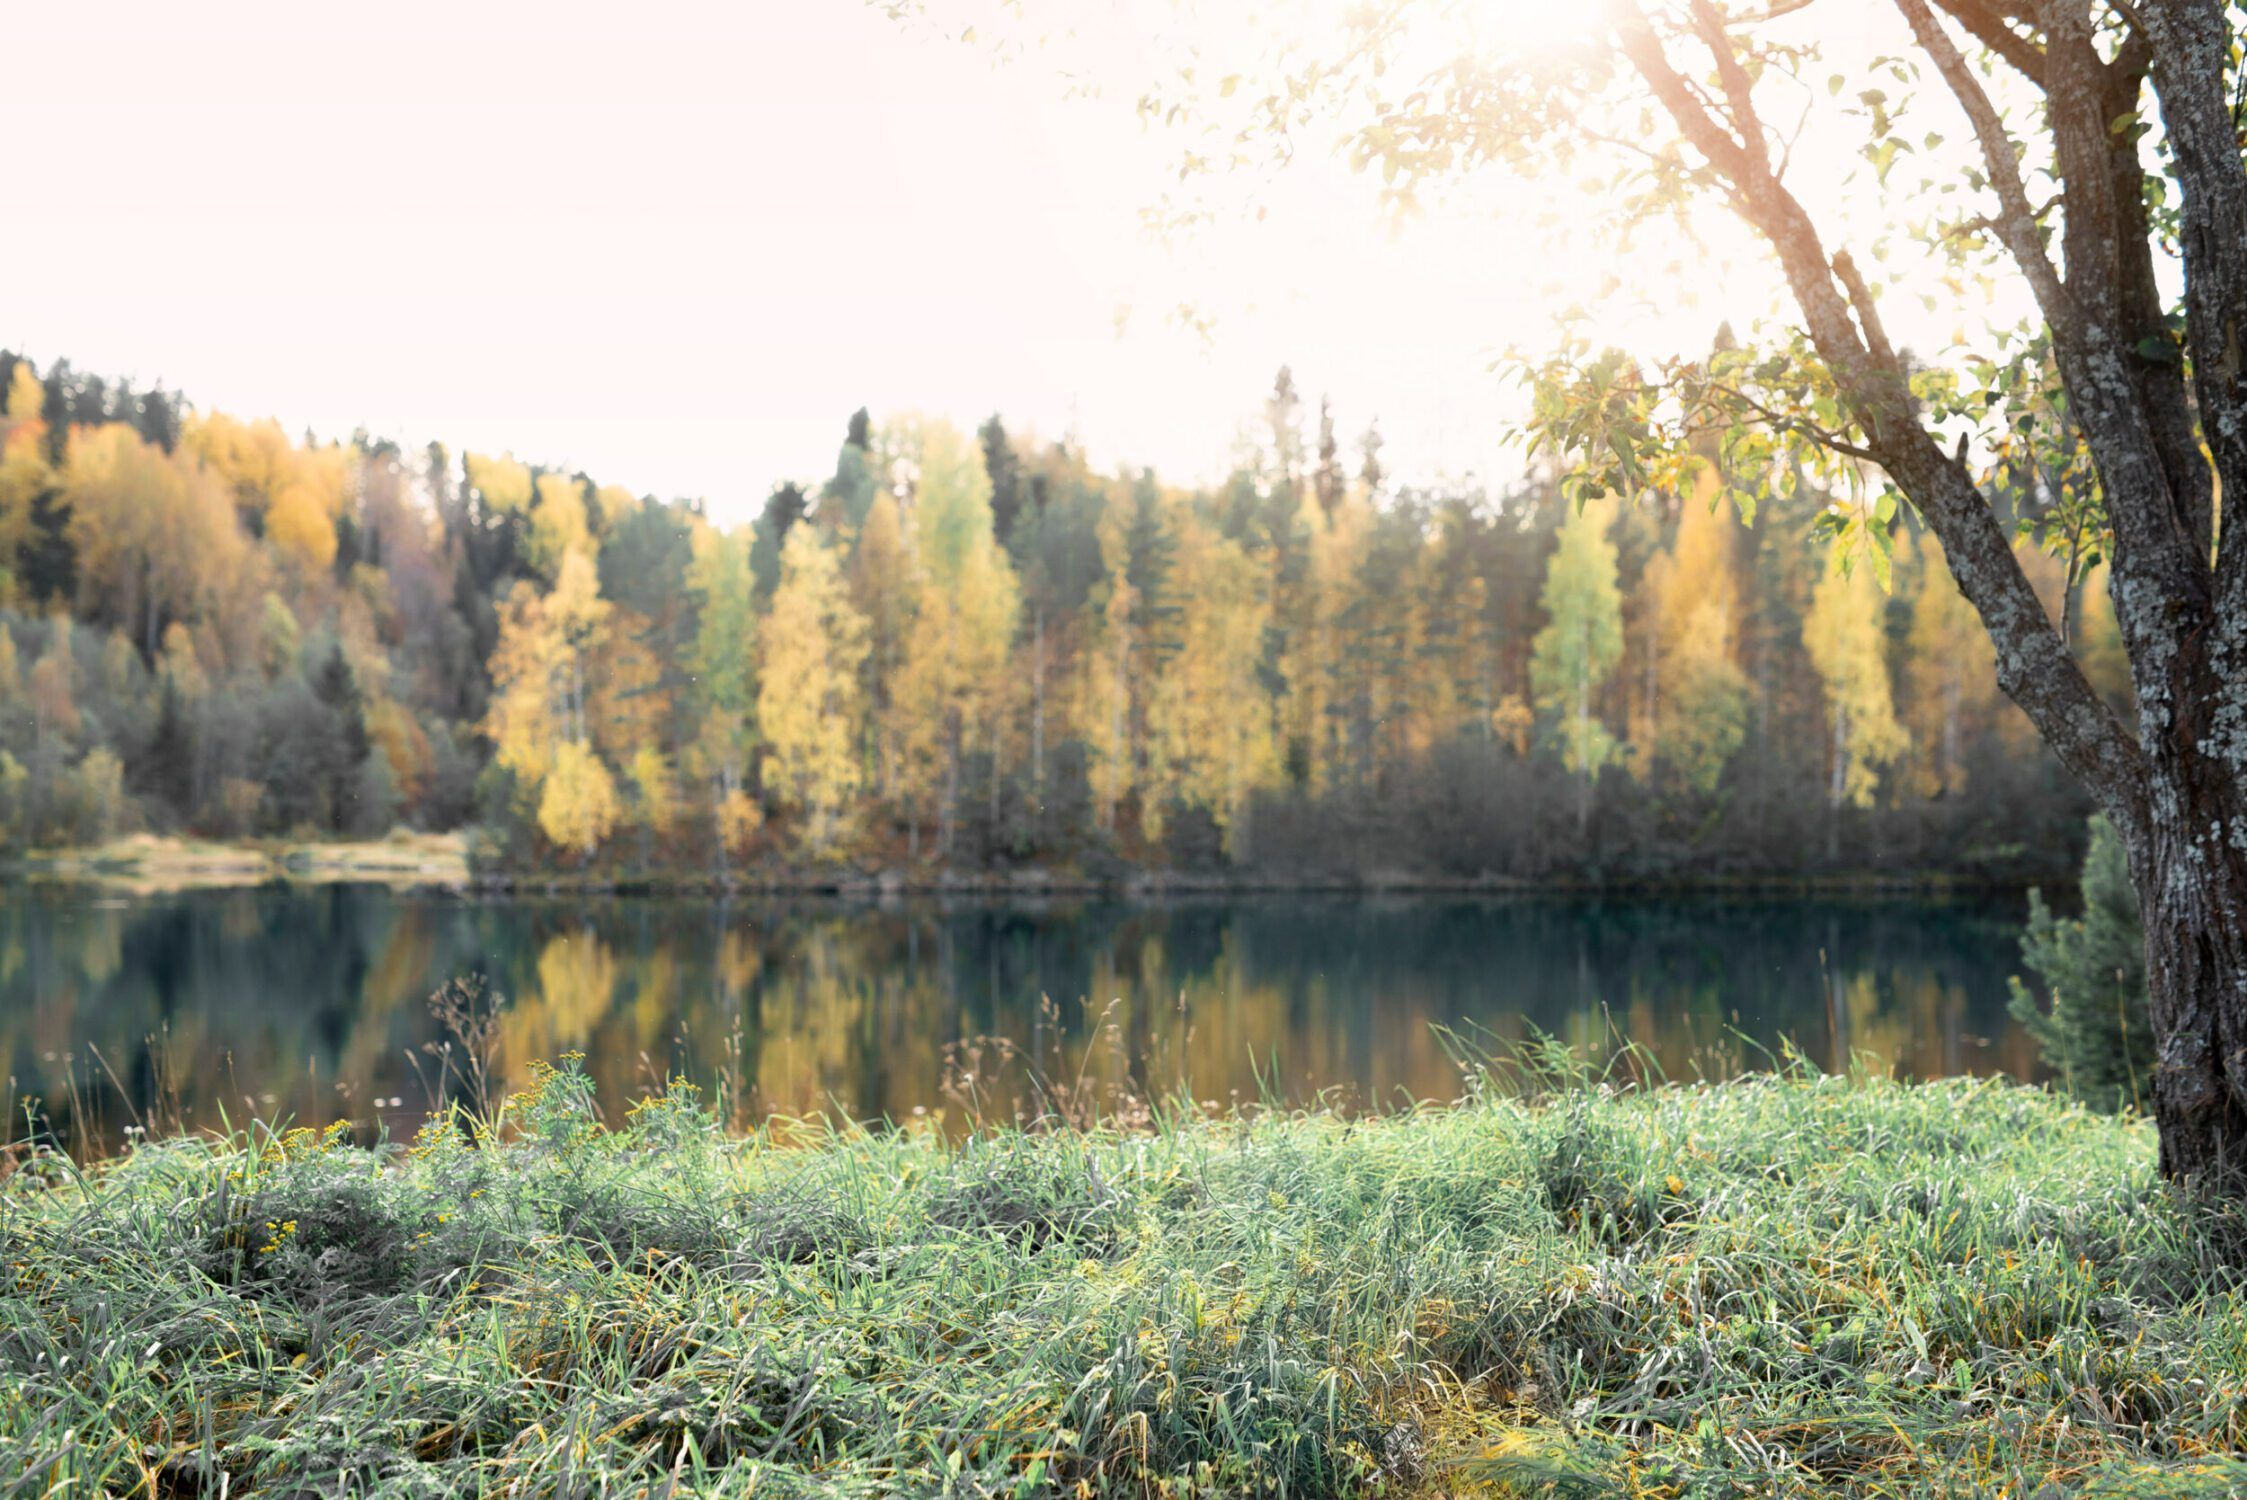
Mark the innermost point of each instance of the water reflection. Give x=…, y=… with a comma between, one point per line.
x=313, y=1001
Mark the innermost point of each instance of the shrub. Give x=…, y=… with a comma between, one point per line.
x=2097, y=1034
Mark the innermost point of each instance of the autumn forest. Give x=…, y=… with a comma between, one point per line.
x=967, y=653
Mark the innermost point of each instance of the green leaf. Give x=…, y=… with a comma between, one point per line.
x=1883, y=563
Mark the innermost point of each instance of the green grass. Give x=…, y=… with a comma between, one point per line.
x=1788, y=1284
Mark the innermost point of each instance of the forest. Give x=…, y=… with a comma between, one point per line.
x=972, y=653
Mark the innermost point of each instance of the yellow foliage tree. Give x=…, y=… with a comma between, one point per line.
x=526, y=719
x=952, y=684
x=559, y=524
x=1110, y=683
x=655, y=798
x=809, y=698
x=577, y=804
x=1699, y=711
x=1950, y=675
x=292, y=494
x=1580, y=646
x=503, y=483
x=538, y=670
x=739, y=819
x=724, y=683
x=54, y=688
x=1847, y=644
x=628, y=703
x=24, y=474
x=180, y=664
x=881, y=591
x=156, y=537
x=300, y=520
x=402, y=743
x=1210, y=741
x=1330, y=686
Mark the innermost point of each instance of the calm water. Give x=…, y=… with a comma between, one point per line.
x=313, y=1002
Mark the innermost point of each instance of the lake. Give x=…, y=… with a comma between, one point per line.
x=313, y=1002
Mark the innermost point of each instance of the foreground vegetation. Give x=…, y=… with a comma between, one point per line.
x=1769, y=1286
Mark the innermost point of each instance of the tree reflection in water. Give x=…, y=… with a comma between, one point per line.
x=309, y=1001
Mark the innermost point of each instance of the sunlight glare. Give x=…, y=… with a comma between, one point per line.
x=1528, y=28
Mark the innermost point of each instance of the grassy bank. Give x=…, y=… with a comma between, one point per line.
x=1765, y=1287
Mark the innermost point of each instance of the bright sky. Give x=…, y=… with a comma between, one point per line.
x=675, y=243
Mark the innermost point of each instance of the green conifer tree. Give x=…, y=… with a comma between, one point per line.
x=2097, y=1034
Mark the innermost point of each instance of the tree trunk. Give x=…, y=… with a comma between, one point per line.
x=947, y=810
x=1837, y=779
x=718, y=824
x=2191, y=880
x=1037, y=725
x=1583, y=756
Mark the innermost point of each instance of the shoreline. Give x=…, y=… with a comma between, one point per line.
x=152, y=865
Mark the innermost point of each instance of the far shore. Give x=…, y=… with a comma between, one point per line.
x=153, y=864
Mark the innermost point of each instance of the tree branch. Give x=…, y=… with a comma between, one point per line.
x=2033, y=664
x=1739, y=94
x=1993, y=29
x=1783, y=422
x=2156, y=359
x=2095, y=335
x=2016, y=221
x=1868, y=313
x=2190, y=43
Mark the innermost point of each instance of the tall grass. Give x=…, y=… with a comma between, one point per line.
x=1785, y=1284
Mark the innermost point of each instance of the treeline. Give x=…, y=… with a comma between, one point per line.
x=973, y=652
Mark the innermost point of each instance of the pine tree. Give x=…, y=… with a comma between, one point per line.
x=167, y=768
x=1004, y=466
x=1326, y=479
x=337, y=686
x=1370, y=472
x=2096, y=1033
